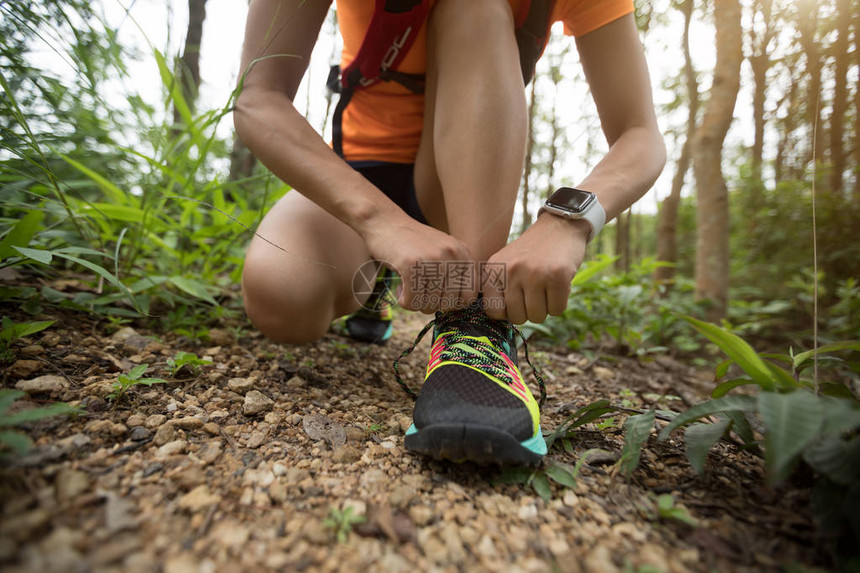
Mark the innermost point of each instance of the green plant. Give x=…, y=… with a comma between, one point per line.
x=802, y=419
x=135, y=200
x=116, y=322
x=580, y=417
x=125, y=382
x=342, y=522
x=343, y=349
x=539, y=479
x=667, y=510
x=187, y=363
x=11, y=332
x=630, y=310
x=376, y=427
x=13, y=440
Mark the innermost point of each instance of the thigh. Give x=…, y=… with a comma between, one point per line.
x=300, y=264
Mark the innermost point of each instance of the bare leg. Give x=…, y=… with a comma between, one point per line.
x=294, y=297
x=475, y=123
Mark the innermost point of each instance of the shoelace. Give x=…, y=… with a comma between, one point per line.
x=476, y=316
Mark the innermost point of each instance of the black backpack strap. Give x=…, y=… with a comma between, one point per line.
x=532, y=35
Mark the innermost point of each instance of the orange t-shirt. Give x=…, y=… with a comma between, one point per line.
x=384, y=122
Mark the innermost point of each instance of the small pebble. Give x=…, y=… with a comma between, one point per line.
x=139, y=433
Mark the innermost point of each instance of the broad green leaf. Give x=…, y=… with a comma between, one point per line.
x=15, y=441
x=629, y=293
x=38, y=255
x=150, y=381
x=741, y=426
x=125, y=213
x=792, y=420
x=738, y=350
x=842, y=415
x=576, y=418
x=34, y=414
x=833, y=347
x=729, y=385
x=137, y=371
x=723, y=368
x=540, y=483
x=716, y=406
x=194, y=288
x=836, y=458
x=111, y=190
x=27, y=328
x=561, y=474
x=146, y=283
x=835, y=390
x=588, y=270
x=783, y=378
x=784, y=358
x=81, y=251
x=21, y=234
x=700, y=438
x=636, y=431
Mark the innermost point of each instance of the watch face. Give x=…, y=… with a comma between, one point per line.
x=570, y=199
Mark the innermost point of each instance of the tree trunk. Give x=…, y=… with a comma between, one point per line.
x=712, y=212
x=188, y=66
x=242, y=162
x=760, y=62
x=808, y=25
x=526, y=219
x=784, y=147
x=667, y=234
x=840, y=95
x=857, y=105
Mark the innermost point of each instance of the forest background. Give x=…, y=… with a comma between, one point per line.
x=155, y=203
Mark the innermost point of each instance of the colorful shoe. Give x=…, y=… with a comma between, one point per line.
x=373, y=321
x=474, y=405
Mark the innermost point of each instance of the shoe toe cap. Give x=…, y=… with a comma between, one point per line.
x=454, y=394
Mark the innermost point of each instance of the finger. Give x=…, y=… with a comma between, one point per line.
x=493, y=302
x=455, y=274
x=535, y=299
x=515, y=304
x=557, y=295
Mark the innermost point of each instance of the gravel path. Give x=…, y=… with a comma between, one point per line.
x=251, y=464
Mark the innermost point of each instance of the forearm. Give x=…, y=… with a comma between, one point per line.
x=628, y=170
x=270, y=126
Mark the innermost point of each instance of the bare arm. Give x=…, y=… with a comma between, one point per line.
x=614, y=64
x=279, y=38
x=542, y=261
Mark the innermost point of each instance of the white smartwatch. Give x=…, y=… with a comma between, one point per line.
x=571, y=203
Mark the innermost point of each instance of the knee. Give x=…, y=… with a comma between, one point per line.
x=282, y=310
x=470, y=16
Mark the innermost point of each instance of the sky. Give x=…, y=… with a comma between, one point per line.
x=162, y=24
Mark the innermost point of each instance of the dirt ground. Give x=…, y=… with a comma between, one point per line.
x=238, y=467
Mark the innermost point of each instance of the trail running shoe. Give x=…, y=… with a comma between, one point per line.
x=474, y=405
x=373, y=321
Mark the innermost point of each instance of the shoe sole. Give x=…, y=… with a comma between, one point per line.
x=379, y=340
x=479, y=444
